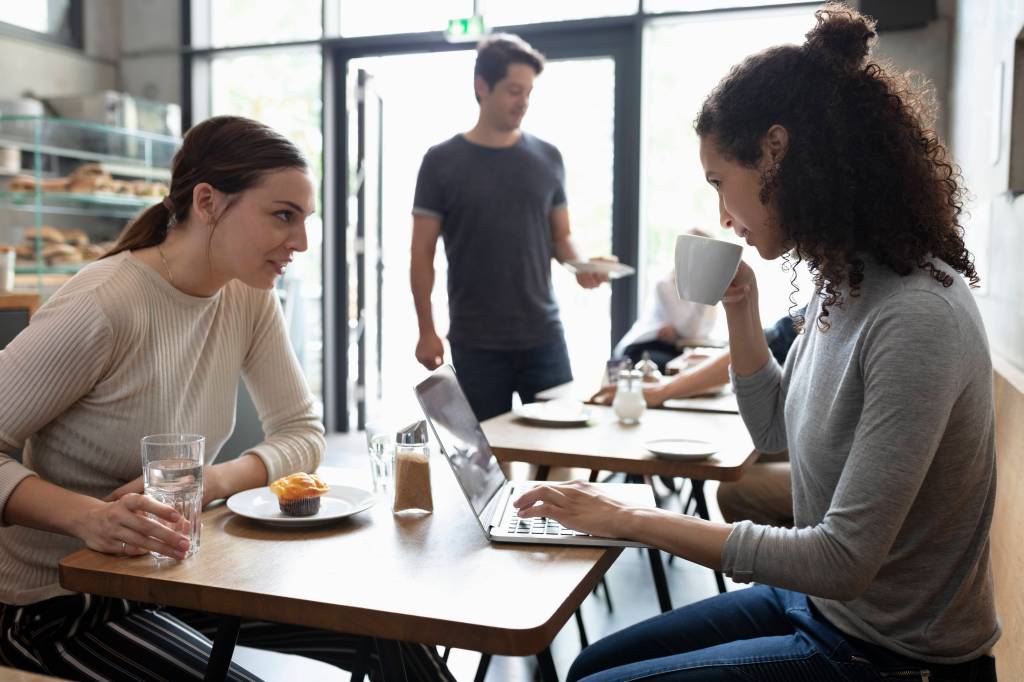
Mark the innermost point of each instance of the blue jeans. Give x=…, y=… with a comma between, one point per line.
x=488, y=377
x=759, y=633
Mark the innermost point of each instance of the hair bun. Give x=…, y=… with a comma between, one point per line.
x=843, y=36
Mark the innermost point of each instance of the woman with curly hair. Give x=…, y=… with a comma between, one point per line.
x=885, y=402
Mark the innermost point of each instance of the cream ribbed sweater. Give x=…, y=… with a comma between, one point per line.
x=119, y=353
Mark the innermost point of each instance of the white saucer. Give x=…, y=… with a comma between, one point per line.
x=613, y=269
x=555, y=413
x=340, y=501
x=681, y=448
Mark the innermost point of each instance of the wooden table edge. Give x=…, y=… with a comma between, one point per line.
x=488, y=639
x=693, y=469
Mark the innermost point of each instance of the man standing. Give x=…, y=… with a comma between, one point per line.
x=497, y=196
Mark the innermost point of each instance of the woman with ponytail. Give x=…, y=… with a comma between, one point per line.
x=153, y=338
x=821, y=155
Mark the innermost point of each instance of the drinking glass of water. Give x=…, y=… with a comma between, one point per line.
x=380, y=441
x=172, y=473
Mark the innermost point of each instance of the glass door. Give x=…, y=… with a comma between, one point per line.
x=576, y=105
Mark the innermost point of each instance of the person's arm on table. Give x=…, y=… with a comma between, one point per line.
x=702, y=378
x=425, y=231
x=69, y=332
x=582, y=507
x=102, y=525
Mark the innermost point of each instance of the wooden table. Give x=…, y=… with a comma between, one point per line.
x=433, y=579
x=606, y=444
x=582, y=391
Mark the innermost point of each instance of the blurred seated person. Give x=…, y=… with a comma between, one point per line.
x=711, y=373
x=665, y=322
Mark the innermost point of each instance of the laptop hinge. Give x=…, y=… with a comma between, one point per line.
x=499, y=508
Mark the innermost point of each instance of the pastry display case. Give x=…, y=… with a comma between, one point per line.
x=67, y=189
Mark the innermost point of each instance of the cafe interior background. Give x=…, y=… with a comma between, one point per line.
x=364, y=88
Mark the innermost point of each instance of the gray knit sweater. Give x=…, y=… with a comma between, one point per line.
x=889, y=421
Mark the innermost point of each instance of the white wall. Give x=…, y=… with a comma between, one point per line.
x=49, y=70
x=927, y=51
x=130, y=45
x=150, y=49
x=984, y=37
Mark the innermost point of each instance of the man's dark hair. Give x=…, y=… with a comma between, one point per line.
x=495, y=53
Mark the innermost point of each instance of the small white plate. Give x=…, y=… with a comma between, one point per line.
x=555, y=413
x=340, y=501
x=681, y=448
x=613, y=269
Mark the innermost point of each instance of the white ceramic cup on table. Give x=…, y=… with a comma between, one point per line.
x=705, y=267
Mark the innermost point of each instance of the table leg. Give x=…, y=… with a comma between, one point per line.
x=223, y=648
x=481, y=670
x=702, y=512
x=584, y=643
x=391, y=663
x=660, y=581
x=547, y=666
x=543, y=470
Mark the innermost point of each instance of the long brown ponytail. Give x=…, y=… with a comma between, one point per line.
x=231, y=153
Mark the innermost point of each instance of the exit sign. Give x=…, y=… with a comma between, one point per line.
x=469, y=28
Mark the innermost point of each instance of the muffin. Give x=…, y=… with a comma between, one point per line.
x=299, y=494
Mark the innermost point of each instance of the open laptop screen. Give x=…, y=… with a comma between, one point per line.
x=460, y=437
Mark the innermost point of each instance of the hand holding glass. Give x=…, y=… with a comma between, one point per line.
x=172, y=470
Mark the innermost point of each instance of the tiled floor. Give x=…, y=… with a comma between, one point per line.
x=633, y=599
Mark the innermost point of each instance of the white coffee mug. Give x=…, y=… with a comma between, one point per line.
x=704, y=267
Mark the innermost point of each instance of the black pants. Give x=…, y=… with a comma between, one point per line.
x=85, y=637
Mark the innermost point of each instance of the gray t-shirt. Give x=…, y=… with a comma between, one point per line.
x=495, y=206
x=889, y=421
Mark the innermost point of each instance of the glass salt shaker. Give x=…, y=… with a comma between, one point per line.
x=412, y=470
x=648, y=369
x=629, y=404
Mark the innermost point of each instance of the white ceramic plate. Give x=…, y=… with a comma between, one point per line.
x=340, y=501
x=555, y=413
x=613, y=269
x=681, y=448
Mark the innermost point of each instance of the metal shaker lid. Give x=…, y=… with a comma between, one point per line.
x=413, y=434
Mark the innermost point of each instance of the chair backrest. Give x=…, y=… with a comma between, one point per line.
x=1008, y=521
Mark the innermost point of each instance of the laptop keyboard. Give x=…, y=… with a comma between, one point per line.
x=538, y=526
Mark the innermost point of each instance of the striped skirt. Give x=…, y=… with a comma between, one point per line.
x=86, y=637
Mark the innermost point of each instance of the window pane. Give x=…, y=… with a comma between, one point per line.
x=513, y=12
x=573, y=107
x=251, y=22
x=654, y=6
x=43, y=16
x=676, y=196
x=282, y=88
x=361, y=18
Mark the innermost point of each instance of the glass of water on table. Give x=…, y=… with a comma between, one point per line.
x=172, y=473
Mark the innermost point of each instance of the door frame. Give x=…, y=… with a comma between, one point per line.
x=619, y=37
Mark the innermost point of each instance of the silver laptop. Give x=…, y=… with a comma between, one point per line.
x=489, y=493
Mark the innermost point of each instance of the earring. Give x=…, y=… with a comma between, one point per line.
x=769, y=181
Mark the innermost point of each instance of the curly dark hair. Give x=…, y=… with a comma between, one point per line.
x=864, y=173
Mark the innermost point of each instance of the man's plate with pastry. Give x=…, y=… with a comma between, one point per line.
x=601, y=266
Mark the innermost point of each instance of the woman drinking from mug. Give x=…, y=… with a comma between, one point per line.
x=151, y=339
x=885, y=402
